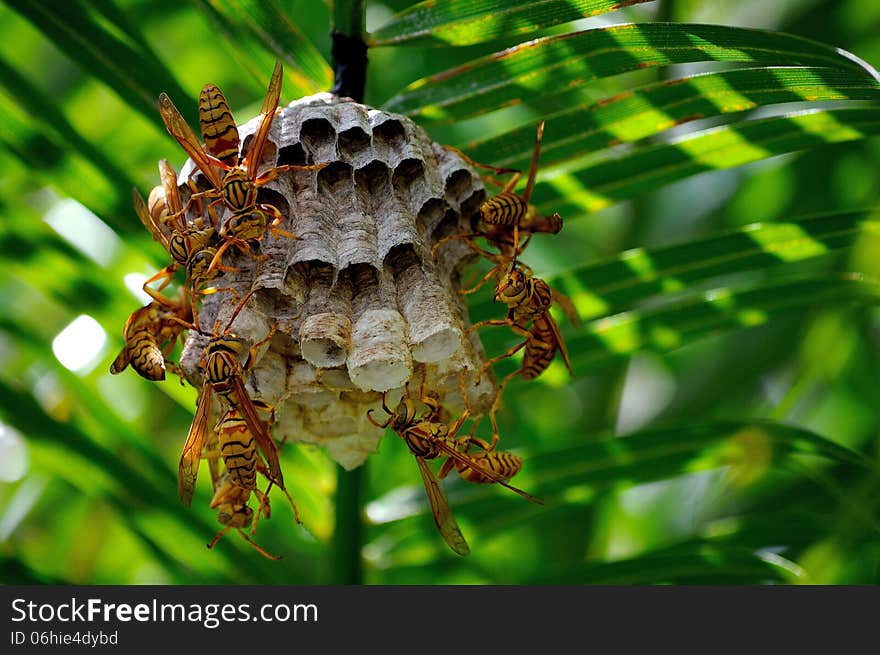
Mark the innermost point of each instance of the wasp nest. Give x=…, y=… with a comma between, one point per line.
x=360, y=304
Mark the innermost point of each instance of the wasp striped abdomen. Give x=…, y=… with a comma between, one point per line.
x=146, y=331
x=218, y=125
x=238, y=449
x=506, y=208
x=540, y=348
x=146, y=356
x=143, y=353
x=503, y=464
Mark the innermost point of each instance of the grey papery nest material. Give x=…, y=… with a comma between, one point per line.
x=358, y=299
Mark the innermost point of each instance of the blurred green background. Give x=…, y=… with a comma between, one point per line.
x=691, y=447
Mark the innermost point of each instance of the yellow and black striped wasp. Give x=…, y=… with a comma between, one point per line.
x=235, y=445
x=505, y=215
x=237, y=187
x=428, y=438
x=192, y=247
x=503, y=464
x=528, y=300
x=224, y=376
x=150, y=334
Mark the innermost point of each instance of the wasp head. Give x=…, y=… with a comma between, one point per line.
x=246, y=226
x=404, y=415
x=197, y=266
x=512, y=288
x=399, y=419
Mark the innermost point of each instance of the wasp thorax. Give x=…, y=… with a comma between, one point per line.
x=344, y=281
x=238, y=191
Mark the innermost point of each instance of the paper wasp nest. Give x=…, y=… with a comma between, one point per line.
x=359, y=301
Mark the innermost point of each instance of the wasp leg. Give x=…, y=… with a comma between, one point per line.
x=230, y=241
x=494, y=271
x=495, y=405
x=464, y=235
x=498, y=358
x=495, y=169
x=278, y=217
x=272, y=173
x=258, y=547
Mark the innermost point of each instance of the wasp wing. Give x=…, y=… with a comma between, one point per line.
x=180, y=130
x=140, y=208
x=567, y=307
x=443, y=517
x=213, y=444
x=270, y=104
x=258, y=429
x=140, y=317
x=557, y=335
x=188, y=469
x=172, y=194
x=492, y=475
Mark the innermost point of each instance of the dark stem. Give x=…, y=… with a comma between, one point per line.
x=347, y=528
x=349, y=66
x=349, y=50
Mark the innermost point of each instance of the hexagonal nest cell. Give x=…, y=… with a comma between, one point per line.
x=360, y=303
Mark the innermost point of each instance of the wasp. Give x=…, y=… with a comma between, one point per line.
x=238, y=187
x=150, y=334
x=224, y=376
x=237, y=448
x=428, y=438
x=528, y=300
x=235, y=444
x=505, y=215
x=504, y=464
x=192, y=246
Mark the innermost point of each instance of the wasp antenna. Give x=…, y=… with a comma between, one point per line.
x=238, y=310
x=375, y=422
x=384, y=405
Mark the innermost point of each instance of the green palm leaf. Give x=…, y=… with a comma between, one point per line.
x=268, y=27
x=623, y=281
x=548, y=66
x=575, y=131
x=593, y=186
x=137, y=76
x=465, y=22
